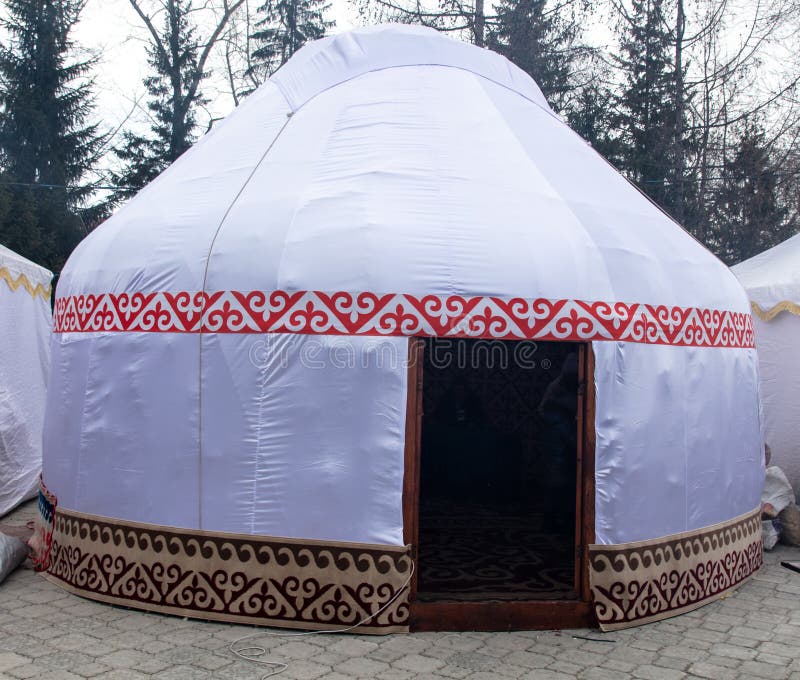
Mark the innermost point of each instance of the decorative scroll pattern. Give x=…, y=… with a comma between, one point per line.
x=637, y=583
x=22, y=281
x=231, y=577
x=342, y=313
x=772, y=312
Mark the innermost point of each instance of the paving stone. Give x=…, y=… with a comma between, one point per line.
x=61, y=675
x=725, y=661
x=621, y=666
x=509, y=642
x=763, y=670
x=297, y=650
x=352, y=646
x=773, y=659
x=385, y=654
x=462, y=643
x=712, y=671
x=647, y=645
x=672, y=662
x=181, y=672
x=48, y=633
x=441, y=653
x=124, y=658
x=533, y=660
x=707, y=634
x=565, y=667
x=777, y=649
x=327, y=658
x=212, y=662
x=417, y=663
x=153, y=664
x=453, y=671
x=90, y=670
x=657, y=673
x=122, y=674
x=473, y=660
x=600, y=673
x=66, y=660
x=637, y=656
x=582, y=657
x=406, y=644
x=683, y=652
x=361, y=667
x=543, y=674
x=306, y=670
x=394, y=674
x=9, y=660
x=28, y=670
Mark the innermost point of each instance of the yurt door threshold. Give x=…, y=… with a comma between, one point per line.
x=498, y=498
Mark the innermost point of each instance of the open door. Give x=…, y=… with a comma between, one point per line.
x=496, y=501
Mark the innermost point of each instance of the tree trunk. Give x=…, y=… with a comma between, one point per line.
x=479, y=23
x=680, y=102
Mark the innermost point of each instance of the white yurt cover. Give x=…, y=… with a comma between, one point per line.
x=229, y=347
x=25, y=320
x=772, y=281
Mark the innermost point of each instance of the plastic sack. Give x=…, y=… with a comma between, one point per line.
x=790, y=525
x=777, y=490
x=13, y=552
x=770, y=534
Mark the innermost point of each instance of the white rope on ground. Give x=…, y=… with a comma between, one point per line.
x=253, y=653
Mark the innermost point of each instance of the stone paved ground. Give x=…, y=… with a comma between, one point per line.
x=47, y=633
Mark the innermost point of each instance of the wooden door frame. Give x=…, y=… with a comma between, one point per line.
x=499, y=615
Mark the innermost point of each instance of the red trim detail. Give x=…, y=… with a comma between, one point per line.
x=41, y=542
x=314, y=312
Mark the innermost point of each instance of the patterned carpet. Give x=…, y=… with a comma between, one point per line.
x=485, y=555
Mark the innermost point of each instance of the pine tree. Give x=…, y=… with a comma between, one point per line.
x=646, y=120
x=174, y=97
x=539, y=41
x=590, y=117
x=749, y=215
x=46, y=145
x=283, y=27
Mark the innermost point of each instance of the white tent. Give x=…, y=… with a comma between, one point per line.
x=772, y=282
x=24, y=365
x=231, y=417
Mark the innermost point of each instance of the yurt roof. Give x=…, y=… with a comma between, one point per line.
x=395, y=160
x=772, y=278
x=14, y=265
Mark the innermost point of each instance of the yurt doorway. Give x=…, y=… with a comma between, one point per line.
x=499, y=481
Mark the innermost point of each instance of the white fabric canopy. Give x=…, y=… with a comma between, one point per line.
x=773, y=277
x=772, y=281
x=385, y=182
x=24, y=364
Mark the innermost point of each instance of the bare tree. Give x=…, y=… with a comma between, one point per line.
x=178, y=56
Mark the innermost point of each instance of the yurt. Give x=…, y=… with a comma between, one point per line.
x=772, y=282
x=392, y=348
x=25, y=322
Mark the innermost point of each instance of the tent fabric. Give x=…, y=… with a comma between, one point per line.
x=636, y=583
x=669, y=457
x=387, y=182
x=292, y=443
x=772, y=281
x=24, y=367
x=238, y=578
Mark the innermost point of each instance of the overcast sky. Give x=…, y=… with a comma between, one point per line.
x=112, y=30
